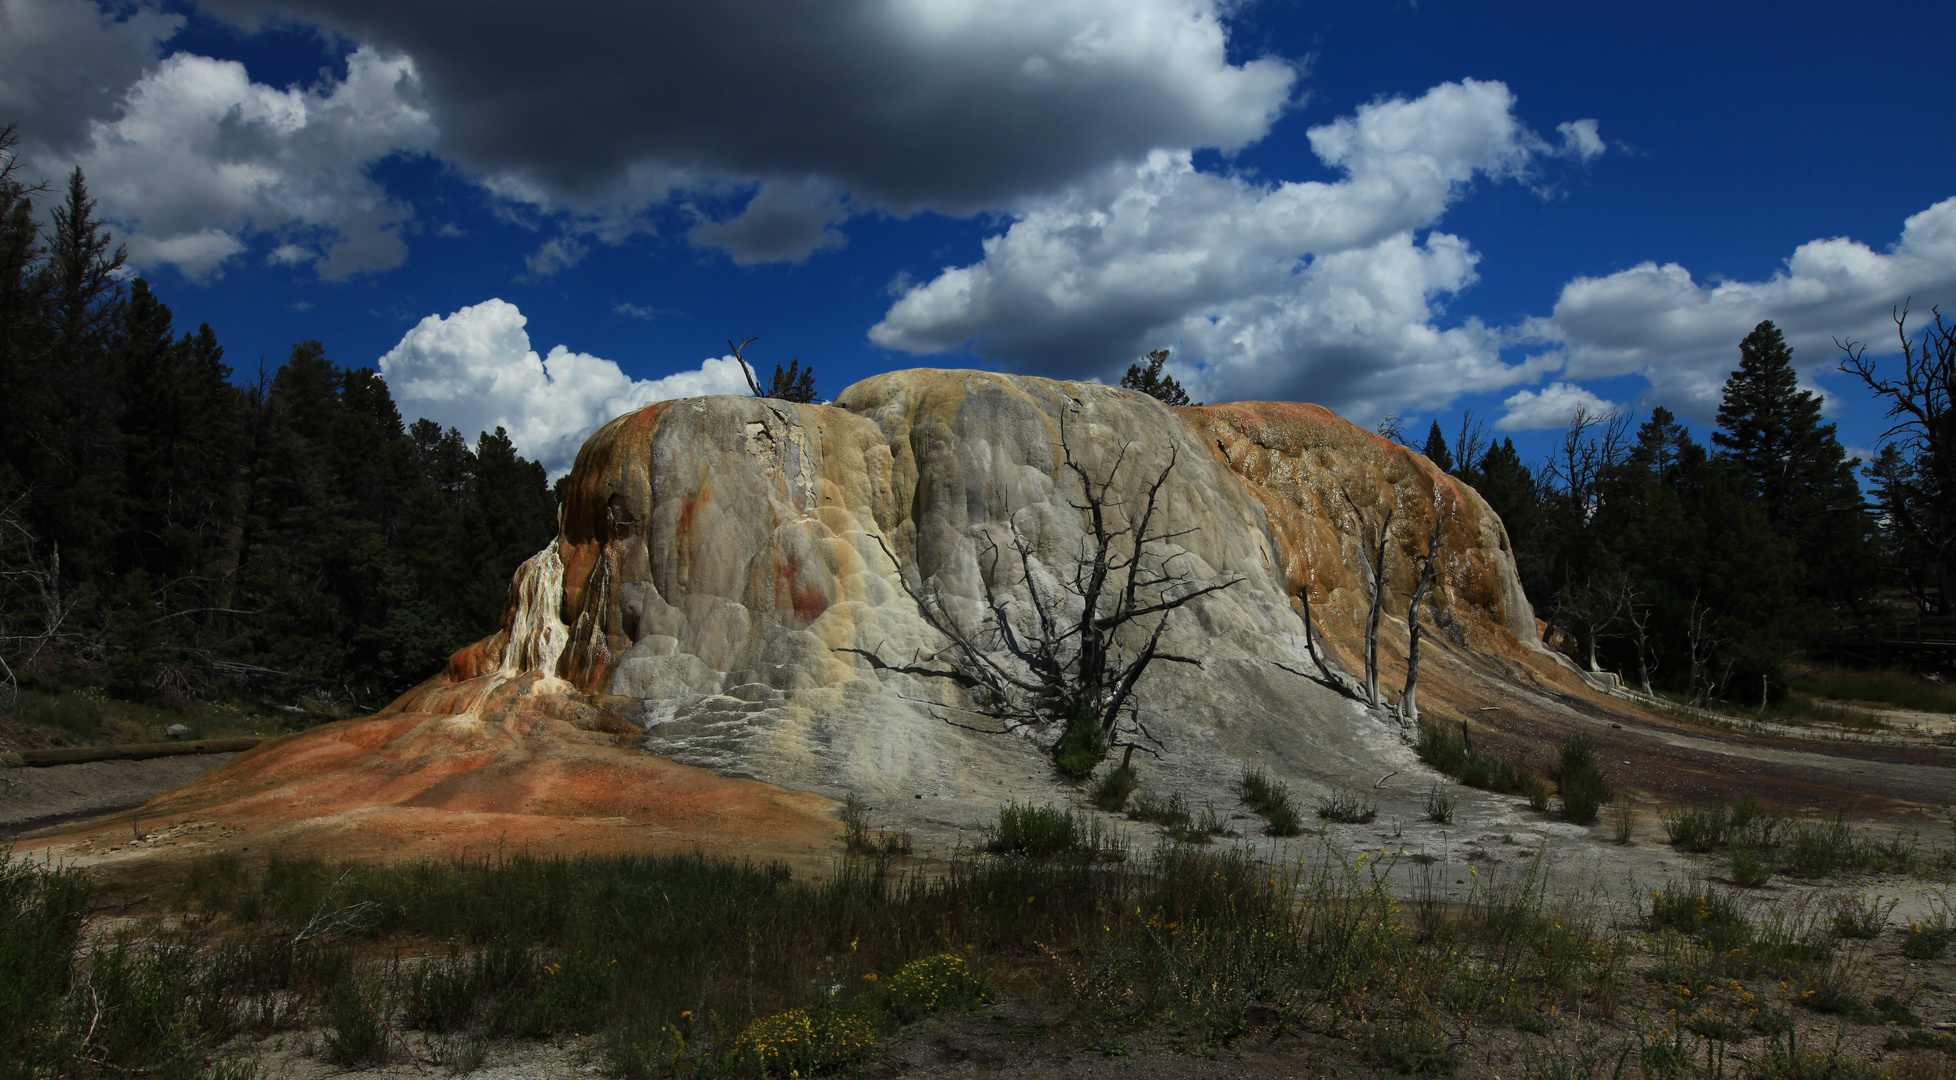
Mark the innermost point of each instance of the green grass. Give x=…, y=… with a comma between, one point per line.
x=1894, y=687
x=681, y=965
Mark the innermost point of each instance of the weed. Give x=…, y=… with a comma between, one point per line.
x=1698, y=911
x=76, y=717
x=1889, y=1009
x=1625, y=823
x=1111, y=792
x=1413, y=1047
x=1271, y=799
x=1439, y=806
x=1814, y=851
x=1923, y=943
x=1171, y=812
x=1455, y=756
x=1347, y=808
x=856, y=835
x=1862, y=917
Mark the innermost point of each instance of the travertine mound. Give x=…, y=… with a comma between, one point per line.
x=727, y=570
x=725, y=593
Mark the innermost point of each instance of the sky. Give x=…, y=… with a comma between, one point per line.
x=539, y=221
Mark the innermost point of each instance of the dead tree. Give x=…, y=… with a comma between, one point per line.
x=753, y=383
x=1637, y=613
x=1377, y=554
x=1428, y=568
x=1336, y=680
x=1066, y=659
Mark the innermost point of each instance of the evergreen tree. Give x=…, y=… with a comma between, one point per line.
x=1436, y=449
x=796, y=383
x=1151, y=381
x=1770, y=430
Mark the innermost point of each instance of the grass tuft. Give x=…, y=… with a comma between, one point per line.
x=1272, y=800
x=1347, y=808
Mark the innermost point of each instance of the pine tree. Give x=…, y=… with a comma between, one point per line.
x=1152, y=382
x=796, y=383
x=1771, y=432
x=1436, y=449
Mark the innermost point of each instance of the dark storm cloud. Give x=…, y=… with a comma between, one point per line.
x=905, y=104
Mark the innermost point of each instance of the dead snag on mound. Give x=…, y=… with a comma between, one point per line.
x=1063, y=656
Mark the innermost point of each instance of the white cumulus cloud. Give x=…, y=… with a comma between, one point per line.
x=475, y=370
x=1550, y=407
x=202, y=159
x=1316, y=291
x=1683, y=335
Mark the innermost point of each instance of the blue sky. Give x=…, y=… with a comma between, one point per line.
x=1379, y=207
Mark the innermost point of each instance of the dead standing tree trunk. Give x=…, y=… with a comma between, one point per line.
x=1066, y=665
x=1376, y=551
x=1428, y=567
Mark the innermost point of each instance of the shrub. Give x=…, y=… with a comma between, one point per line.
x=1048, y=832
x=804, y=1042
x=1080, y=748
x=1583, y=786
x=932, y=983
x=1111, y=793
x=1751, y=868
x=355, y=1033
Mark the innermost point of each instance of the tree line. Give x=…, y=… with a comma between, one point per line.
x=1702, y=569
x=172, y=533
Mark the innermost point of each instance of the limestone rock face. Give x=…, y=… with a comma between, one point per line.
x=728, y=576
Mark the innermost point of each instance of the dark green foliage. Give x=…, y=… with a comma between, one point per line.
x=165, y=531
x=1111, y=791
x=1080, y=748
x=1449, y=751
x=1150, y=380
x=1048, y=832
x=796, y=383
x=1770, y=430
x=1582, y=785
x=1436, y=449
